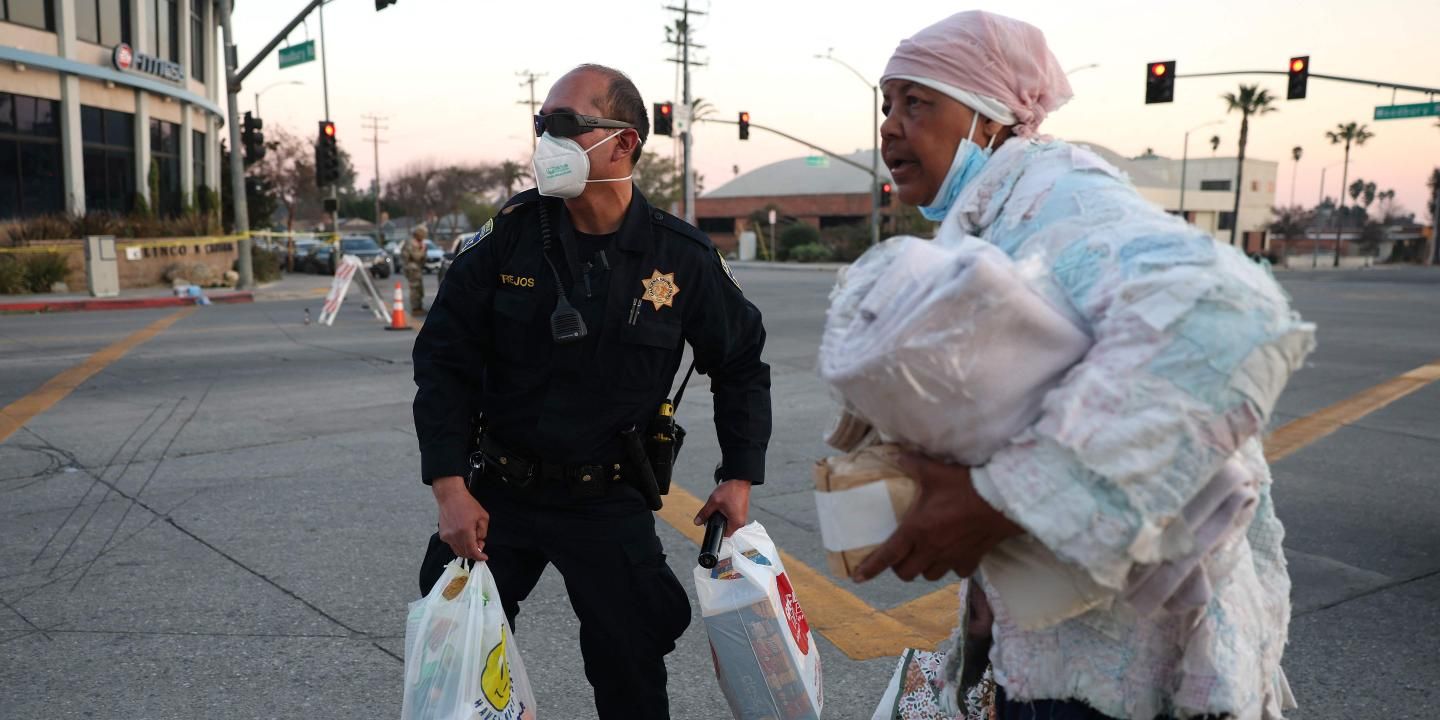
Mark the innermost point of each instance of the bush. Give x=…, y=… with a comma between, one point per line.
x=265, y=265
x=794, y=236
x=847, y=242
x=12, y=275
x=813, y=252
x=43, y=270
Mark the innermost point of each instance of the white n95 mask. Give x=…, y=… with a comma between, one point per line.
x=562, y=167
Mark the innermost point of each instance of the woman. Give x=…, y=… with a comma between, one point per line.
x=1192, y=345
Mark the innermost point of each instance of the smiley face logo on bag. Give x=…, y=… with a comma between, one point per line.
x=495, y=680
x=794, y=615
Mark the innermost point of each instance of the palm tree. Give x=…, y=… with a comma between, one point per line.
x=1369, y=195
x=510, y=174
x=1348, y=133
x=1251, y=100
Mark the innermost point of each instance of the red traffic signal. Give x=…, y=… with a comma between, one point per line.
x=886, y=189
x=744, y=125
x=1299, y=77
x=327, y=155
x=1160, y=82
x=327, y=128
x=664, y=118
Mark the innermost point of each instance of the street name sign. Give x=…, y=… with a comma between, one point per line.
x=296, y=54
x=1401, y=112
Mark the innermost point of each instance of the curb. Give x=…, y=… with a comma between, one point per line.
x=49, y=306
x=793, y=267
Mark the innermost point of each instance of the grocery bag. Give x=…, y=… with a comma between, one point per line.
x=460, y=658
x=765, y=656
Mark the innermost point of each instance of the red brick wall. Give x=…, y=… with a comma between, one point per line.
x=149, y=270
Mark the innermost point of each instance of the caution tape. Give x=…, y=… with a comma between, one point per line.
x=172, y=242
x=35, y=249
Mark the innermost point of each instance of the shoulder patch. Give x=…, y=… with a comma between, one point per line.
x=475, y=239
x=728, y=272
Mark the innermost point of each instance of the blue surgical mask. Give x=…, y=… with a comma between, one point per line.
x=969, y=159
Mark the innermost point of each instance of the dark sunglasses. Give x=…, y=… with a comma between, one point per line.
x=565, y=125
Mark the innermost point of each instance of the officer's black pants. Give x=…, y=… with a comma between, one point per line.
x=630, y=605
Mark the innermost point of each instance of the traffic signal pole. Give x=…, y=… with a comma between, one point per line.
x=1336, y=78
x=875, y=176
x=325, y=82
x=237, y=164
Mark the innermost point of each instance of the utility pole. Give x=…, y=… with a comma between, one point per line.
x=686, y=136
x=529, y=80
x=375, y=127
x=237, y=164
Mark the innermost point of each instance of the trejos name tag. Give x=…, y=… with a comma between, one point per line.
x=517, y=281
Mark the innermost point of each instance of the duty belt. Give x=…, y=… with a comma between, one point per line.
x=522, y=472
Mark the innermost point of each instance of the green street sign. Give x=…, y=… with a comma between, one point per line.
x=1401, y=112
x=296, y=54
x=819, y=161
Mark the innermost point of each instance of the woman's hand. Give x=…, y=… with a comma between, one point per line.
x=950, y=527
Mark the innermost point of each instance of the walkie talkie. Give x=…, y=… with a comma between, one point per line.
x=566, y=324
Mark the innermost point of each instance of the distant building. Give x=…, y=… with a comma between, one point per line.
x=95, y=95
x=817, y=190
x=826, y=193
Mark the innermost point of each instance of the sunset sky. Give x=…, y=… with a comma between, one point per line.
x=444, y=72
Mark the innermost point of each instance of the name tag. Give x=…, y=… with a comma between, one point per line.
x=517, y=281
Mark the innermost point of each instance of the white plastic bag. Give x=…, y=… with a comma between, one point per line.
x=460, y=659
x=765, y=656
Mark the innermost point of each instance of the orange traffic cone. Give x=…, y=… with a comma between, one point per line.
x=397, y=311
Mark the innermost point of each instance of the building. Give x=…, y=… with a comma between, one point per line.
x=1209, y=194
x=825, y=192
x=96, y=95
x=817, y=190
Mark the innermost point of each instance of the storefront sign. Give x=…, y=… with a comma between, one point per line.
x=127, y=60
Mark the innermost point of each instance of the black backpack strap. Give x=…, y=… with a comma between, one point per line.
x=681, y=392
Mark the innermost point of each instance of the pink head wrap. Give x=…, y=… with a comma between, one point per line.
x=995, y=65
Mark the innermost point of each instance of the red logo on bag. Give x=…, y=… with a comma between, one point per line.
x=794, y=615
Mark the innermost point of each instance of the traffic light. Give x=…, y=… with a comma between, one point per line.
x=744, y=125
x=251, y=139
x=664, y=118
x=327, y=155
x=885, y=193
x=382, y=4
x=1160, y=82
x=1299, y=77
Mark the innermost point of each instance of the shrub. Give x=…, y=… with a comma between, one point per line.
x=265, y=265
x=43, y=270
x=12, y=275
x=812, y=252
x=794, y=236
x=847, y=242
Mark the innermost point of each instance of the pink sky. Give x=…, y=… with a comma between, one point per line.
x=444, y=72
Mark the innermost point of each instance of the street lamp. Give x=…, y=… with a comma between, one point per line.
x=874, y=142
x=271, y=87
x=1315, y=244
x=1185, y=160
x=1297, y=152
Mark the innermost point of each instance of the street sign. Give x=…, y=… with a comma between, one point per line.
x=296, y=54
x=817, y=161
x=1401, y=112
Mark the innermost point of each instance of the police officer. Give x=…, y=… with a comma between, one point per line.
x=413, y=257
x=504, y=341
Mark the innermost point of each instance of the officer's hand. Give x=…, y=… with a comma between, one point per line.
x=463, y=523
x=732, y=499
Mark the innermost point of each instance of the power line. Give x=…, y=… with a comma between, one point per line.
x=681, y=38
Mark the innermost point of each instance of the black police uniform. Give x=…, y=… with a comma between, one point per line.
x=558, y=409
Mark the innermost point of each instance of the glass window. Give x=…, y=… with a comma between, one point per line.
x=152, y=37
x=92, y=124
x=165, y=153
x=1227, y=219
x=119, y=129
x=87, y=20
x=41, y=191
x=114, y=21
x=36, y=116
x=9, y=179
x=173, y=20
x=7, y=112
x=120, y=180
x=35, y=13
x=197, y=39
x=1215, y=185
x=197, y=152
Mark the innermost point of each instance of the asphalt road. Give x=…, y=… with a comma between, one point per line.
x=226, y=522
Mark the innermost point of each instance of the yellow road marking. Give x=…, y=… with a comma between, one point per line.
x=1298, y=434
x=16, y=414
x=860, y=631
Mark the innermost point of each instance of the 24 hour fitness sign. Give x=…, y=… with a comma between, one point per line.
x=127, y=60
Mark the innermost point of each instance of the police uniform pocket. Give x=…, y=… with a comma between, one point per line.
x=516, y=323
x=659, y=596
x=649, y=349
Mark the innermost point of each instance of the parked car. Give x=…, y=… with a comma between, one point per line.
x=322, y=259
x=433, y=256
x=302, y=248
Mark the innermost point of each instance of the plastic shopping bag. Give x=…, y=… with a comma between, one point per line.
x=460, y=659
x=765, y=656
